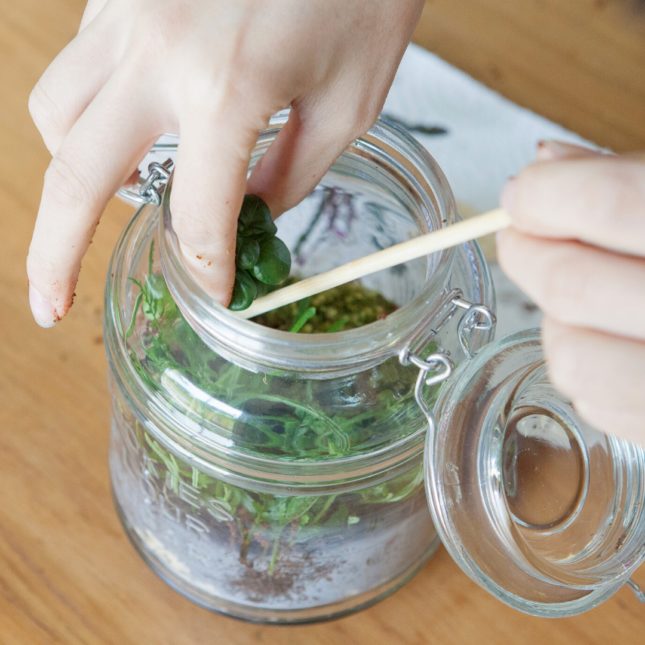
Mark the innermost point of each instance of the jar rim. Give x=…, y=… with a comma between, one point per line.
x=322, y=355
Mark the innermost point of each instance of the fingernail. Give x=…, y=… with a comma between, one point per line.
x=542, y=152
x=509, y=195
x=42, y=310
x=553, y=150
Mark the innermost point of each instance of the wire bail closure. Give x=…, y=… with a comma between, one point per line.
x=438, y=366
x=435, y=369
x=636, y=589
x=148, y=189
x=476, y=318
x=151, y=188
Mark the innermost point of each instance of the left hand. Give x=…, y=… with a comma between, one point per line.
x=577, y=247
x=212, y=71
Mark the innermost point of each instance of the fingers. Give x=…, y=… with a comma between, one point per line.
x=613, y=420
x=304, y=150
x=595, y=322
x=578, y=284
x=597, y=199
x=603, y=375
x=101, y=150
x=207, y=192
x=70, y=82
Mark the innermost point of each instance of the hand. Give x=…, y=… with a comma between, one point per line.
x=577, y=248
x=214, y=71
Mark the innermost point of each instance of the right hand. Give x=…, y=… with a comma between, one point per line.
x=577, y=247
x=213, y=71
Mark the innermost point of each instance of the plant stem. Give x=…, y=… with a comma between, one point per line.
x=275, y=551
x=328, y=502
x=306, y=315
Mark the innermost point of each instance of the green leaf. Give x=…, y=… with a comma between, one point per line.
x=274, y=263
x=135, y=310
x=157, y=301
x=255, y=217
x=244, y=291
x=263, y=289
x=156, y=286
x=338, y=325
x=248, y=253
x=286, y=509
x=302, y=319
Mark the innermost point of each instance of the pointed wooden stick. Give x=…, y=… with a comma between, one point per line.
x=444, y=238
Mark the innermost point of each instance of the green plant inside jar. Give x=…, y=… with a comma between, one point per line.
x=287, y=421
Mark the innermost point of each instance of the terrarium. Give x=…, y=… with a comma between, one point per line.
x=276, y=475
x=276, y=469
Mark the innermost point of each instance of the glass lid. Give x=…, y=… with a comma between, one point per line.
x=536, y=506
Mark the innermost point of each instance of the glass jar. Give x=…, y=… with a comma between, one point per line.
x=279, y=477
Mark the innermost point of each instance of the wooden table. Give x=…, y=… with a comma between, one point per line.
x=580, y=63
x=67, y=573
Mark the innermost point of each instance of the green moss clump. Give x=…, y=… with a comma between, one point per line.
x=344, y=307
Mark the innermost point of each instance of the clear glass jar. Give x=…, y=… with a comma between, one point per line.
x=276, y=476
x=280, y=477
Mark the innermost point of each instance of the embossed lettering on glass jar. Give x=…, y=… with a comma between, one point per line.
x=275, y=476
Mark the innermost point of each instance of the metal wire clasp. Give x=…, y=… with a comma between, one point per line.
x=151, y=187
x=638, y=592
x=476, y=318
x=438, y=366
x=434, y=369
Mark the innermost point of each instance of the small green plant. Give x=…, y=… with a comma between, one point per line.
x=262, y=260
x=153, y=298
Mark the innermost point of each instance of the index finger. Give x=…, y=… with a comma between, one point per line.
x=100, y=152
x=599, y=200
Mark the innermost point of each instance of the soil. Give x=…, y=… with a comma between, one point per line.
x=257, y=586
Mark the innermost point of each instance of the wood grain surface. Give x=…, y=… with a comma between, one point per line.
x=580, y=63
x=67, y=572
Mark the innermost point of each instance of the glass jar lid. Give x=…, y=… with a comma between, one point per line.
x=536, y=506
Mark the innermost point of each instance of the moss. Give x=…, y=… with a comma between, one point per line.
x=347, y=306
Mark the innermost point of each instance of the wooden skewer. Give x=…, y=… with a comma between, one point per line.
x=444, y=238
